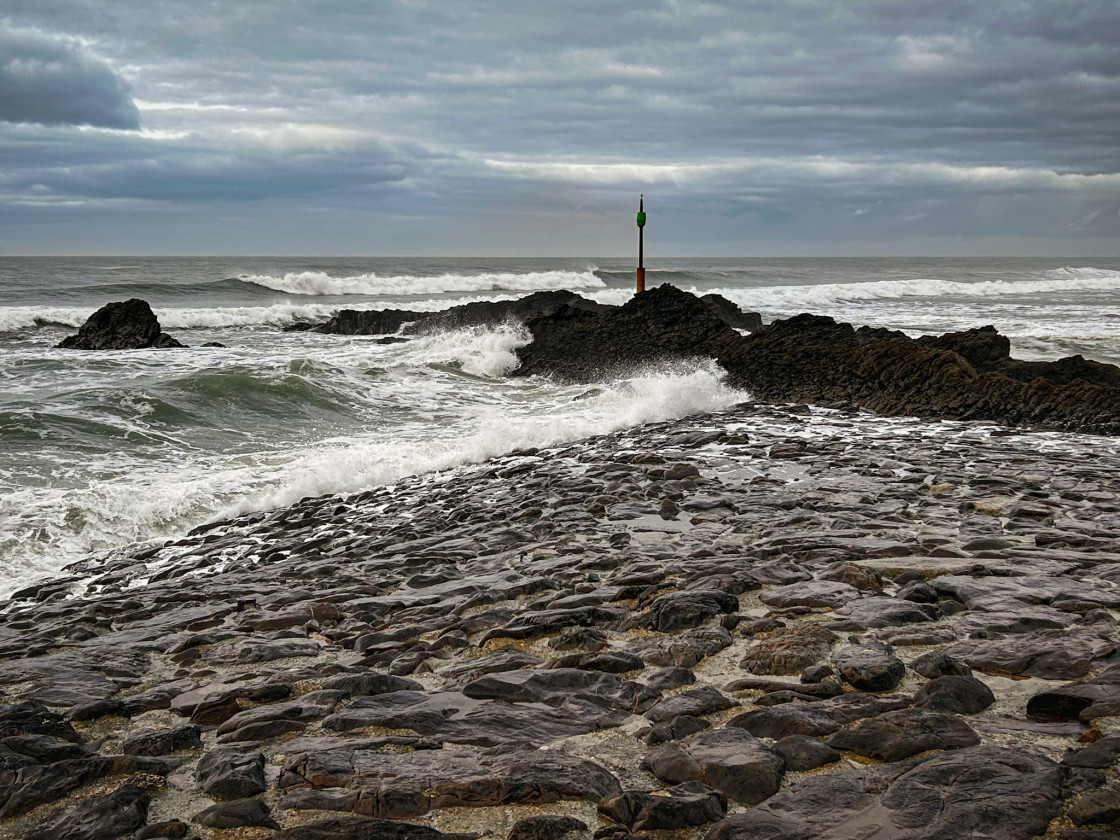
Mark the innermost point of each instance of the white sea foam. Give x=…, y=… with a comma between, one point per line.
x=566, y=414
x=320, y=283
x=484, y=352
x=830, y=294
x=454, y=424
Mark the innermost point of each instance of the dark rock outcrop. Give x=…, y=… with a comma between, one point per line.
x=660, y=324
x=480, y=313
x=989, y=352
x=121, y=325
x=491, y=313
x=815, y=359
x=731, y=314
x=363, y=322
x=871, y=666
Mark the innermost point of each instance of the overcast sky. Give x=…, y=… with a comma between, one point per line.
x=494, y=127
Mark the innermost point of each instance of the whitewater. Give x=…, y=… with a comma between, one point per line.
x=101, y=450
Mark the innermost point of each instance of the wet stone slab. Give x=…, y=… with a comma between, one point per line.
x=771, y=621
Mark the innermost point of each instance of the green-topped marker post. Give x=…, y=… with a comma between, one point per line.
x=641, y=243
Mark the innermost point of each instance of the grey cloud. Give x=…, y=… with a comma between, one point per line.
x=189, y=169
x=879, y=118
x=53, y=81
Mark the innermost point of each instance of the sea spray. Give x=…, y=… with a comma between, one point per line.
x=433, y=403
x=539, y=415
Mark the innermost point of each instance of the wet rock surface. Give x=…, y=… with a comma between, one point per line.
x=850, y=626
x=493, y=313
x=815, y=359
x=121, y=325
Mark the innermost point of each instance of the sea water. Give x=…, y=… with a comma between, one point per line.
x=103, y=449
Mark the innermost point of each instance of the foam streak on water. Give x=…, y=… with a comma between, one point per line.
x=101, y=449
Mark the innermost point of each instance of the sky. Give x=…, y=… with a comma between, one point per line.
x=519, y=127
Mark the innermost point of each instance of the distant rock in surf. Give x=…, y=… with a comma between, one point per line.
x=121, y=325
x=492, y=313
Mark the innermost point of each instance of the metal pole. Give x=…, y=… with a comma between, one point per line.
x=641, y=244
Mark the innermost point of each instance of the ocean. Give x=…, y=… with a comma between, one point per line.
x=99, y=450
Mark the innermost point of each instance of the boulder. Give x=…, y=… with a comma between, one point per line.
x=100, y=817
x=820, y=718
x=687, y=804
x=237, y=813
x=801, y=752
x=729, y=760
x=346, y=827
x=227, y=773
x=963, y=695
x=676, y=611
x=457, y=719
x=1048, y=654
x=695, y=701
x=546, y=827
x=163, y=741
x=554, y=686
x=991, y=792
x=789, y=651
x=871, y=666
x=122, y=325
x=682, y=650
x=1084, y=700
x=937, y=663
x=402, y=785
x=893, y=736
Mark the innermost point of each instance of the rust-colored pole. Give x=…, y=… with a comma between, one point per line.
x=641, y=244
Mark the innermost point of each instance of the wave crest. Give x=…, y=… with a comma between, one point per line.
x=827, y=294
x=320, y=283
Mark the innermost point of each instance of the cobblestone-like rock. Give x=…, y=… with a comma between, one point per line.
x=479, y=638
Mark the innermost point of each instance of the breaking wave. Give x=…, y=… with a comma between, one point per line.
x=320, y=283
x=827, y=294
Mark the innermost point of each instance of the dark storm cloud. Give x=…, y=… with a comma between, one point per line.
x=50, y=80
x=799, y=121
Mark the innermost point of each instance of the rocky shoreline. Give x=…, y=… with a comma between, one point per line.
x=968, y=375
x=772, y=622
